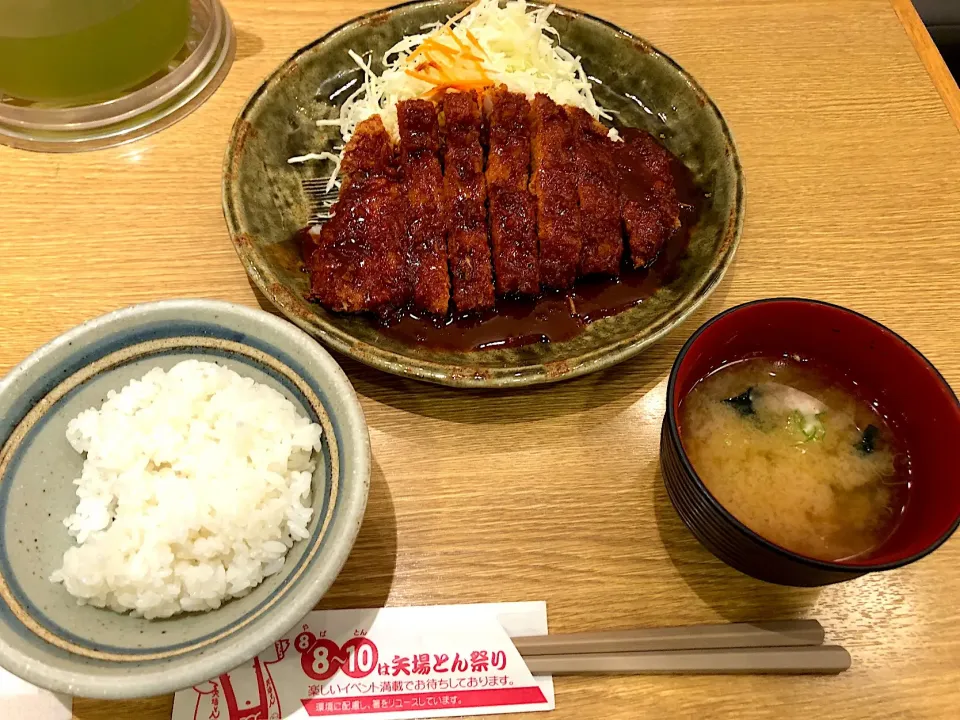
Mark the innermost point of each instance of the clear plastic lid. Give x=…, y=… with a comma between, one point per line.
x=189, y=80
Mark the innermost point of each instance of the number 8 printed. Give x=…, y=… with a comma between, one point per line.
x=321, y=661
x=320, y=658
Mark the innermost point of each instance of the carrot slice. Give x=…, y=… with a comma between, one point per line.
x=458, y=41
x=440, y=47
x=472, y=38
x=424, y=77
x=462, y=13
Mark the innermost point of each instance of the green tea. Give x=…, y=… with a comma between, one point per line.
x=69, y=51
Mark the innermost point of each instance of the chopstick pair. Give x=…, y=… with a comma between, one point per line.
x=789, y=647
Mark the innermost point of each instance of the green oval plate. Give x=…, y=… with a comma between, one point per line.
x=264, y=202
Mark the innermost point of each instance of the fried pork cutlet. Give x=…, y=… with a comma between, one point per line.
x=599, y=196
x=554, y=183
x=464, y=192
x=368, y=154
x=512, y=209
x=358, y=263
x=648, y=195
x=423, y=187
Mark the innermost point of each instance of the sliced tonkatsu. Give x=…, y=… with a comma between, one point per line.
x=358, y=262
x=487, y=194
x=370, y=153
x=512, y=209
x=648, y=195
x=599, y=195
x=554, y=183
x=423, y=189
x=464, y=193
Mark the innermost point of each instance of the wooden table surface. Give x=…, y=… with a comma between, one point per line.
x=852, y=166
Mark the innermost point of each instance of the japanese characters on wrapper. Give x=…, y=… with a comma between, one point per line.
x=395, y=662
x=223, y=693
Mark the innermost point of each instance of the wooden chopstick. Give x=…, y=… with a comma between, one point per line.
x=786, y=633
x=797, y=660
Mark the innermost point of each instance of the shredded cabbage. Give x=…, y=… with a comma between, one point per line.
x=518, y=49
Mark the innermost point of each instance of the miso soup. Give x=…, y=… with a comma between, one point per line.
x=797, y=456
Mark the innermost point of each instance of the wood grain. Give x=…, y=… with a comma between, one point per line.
x=930, y=56
x=852, y=165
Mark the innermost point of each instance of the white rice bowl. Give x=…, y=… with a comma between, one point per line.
x=195, y=485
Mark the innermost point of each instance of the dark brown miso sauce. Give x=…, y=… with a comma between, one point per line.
x=552, y=316
x=555, y=316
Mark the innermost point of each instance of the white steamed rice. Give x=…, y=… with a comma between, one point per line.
x=195, y=485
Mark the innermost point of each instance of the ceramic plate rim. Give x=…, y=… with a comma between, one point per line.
x=440, y=373
x=223, y=655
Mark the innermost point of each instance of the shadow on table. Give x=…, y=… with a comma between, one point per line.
x=248, y=43
x=367, y=576
x=262, y=300
x=635, y=377
x=733, y=595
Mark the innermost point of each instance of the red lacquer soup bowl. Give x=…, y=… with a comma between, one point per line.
x=918, y=402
